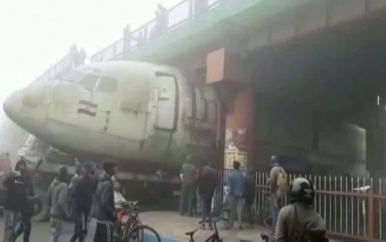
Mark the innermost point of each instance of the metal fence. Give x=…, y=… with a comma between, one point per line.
x=353, y=208
x=177, y=16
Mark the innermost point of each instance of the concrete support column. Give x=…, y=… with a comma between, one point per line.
x=376, y=142
x=227, y=72
x=239, y=129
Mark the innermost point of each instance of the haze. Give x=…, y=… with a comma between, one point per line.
x=34, y=34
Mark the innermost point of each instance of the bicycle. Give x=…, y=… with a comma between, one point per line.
x=130, y=227
x=127, y=219
x=215, y=237
x=265, y=212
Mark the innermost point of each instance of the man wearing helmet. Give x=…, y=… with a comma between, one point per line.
x=299, y=221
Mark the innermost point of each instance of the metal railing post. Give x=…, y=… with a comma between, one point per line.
x=370, y=217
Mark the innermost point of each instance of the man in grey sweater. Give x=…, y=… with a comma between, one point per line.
x=58, y=203
x=105, y=205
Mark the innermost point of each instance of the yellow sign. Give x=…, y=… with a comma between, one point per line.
x=231, y=156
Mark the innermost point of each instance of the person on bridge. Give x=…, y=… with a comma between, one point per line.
x=277, y=181
x=188, y=172
x=83, y=194
x=58, y=203
x=236, y=182
x=105, y=205
x=299, y=221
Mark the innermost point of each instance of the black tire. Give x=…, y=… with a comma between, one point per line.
x=137, y=234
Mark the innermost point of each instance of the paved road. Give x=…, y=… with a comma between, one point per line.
x=41, y=232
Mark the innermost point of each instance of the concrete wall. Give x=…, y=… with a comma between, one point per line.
x=286, y=130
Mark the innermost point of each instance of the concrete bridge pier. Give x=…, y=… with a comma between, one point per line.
x=226, y=70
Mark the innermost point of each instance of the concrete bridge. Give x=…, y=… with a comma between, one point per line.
x=299, y=78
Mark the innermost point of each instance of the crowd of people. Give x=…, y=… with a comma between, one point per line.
x=87, y=194
x=65, y=200
x=295, y=222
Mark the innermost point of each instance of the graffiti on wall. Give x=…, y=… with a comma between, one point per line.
x=235, y=147
x=235, y=139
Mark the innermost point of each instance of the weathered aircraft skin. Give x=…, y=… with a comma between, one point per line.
x=140, y=114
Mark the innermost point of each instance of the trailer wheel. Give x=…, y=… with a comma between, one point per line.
x=41, y=211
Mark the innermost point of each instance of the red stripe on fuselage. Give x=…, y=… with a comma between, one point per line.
x=88, y=104
x=87, y=112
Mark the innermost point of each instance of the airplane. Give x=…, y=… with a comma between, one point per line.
x=143, y=116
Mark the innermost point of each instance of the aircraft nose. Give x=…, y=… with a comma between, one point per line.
x=8, y=105
x=26, y=107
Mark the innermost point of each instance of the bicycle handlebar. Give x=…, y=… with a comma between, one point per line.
x=213, y=220
x=129, y=204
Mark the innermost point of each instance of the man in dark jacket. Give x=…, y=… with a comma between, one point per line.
x=28, y=211
x=83, y=195
x=207, y=183
x=16, y=198
x=105, y=205
x=249, y=196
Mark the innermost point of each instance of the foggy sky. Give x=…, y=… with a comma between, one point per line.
x=35, y=34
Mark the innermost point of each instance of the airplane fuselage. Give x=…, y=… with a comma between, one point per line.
x=131, y=112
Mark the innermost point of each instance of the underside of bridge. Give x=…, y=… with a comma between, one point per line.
x=319, y=98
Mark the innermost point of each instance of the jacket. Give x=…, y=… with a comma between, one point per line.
x=104, y=199
x=16, y=195
x=304, y=218
x=207, y=182
x=236, y=182
x=29, y=209
x=83, y=193
x=58, y=200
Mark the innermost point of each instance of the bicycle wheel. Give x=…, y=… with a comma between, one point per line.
x=142, y=233
x=266, y=213
x=130, y=225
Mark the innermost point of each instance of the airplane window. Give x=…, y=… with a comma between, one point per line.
x=71, y=76
x=89, y=82
x=107, y=85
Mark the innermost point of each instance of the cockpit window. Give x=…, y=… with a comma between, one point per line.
x=89, y=82
x=106, y=85
x=71, y=76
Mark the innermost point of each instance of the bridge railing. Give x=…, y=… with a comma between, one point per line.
x=352, y=208
x=177, y=16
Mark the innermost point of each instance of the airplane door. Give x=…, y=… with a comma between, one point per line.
x=104, y=97
x=167, y=102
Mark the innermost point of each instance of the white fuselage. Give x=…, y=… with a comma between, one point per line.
x=124, y=110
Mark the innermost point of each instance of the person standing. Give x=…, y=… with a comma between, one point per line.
x=83, y=194
x=105, y=205
x=250, y=186
x=207, y=183
x=236, y=181
x=188, y=172
x=16, y=199
x=27, y=212
x=277, y=181
x=58, y=203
